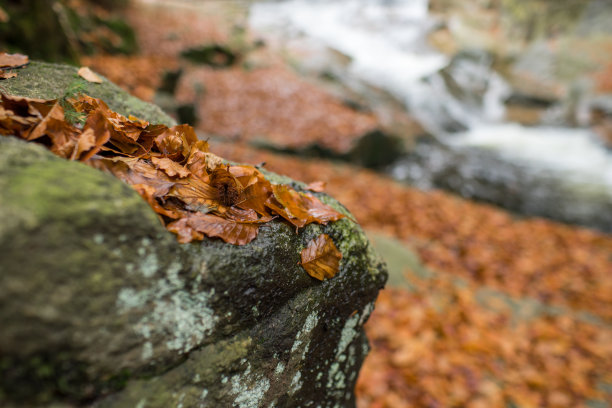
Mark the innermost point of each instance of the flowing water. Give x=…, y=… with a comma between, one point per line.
x=559, y=172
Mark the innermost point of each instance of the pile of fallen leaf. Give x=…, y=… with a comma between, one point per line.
x=439, y=347
x=194, y=192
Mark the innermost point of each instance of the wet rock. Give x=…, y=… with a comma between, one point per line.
x=527, y=109
x=601, y=118
x=527, y=190
x=100, y=306
x=272, y=108
x=215, y=55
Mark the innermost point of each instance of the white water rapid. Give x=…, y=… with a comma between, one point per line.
x=385, y=40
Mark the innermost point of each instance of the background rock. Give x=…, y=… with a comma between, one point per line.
x=65, y=30
x=101, y=306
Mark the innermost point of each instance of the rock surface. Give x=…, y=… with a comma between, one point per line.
x=477, y=173
x=100, y=306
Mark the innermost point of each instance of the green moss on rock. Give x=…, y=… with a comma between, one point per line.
x=49, y=81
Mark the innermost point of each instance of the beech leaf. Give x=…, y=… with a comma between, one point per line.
x=230, y=231
x=170, y=167
x=321, y=258
x=88, y=75
x=316, y=186
x=7, y=75
x=13, y=60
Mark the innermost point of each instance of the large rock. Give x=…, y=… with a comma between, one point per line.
x=100, y=306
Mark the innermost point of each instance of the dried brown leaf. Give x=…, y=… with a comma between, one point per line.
x=150, y=193
x=170, y=167
x=300, y=208
x=316, y=186
x=102, y=130
x=13, y=60
x=184, y=232
x=196, y=193
x=321, y=258
x=202, y=162
x=19, y=115
x=7, y=75
x=228, y=188
x=176, y=142
x=85, y=142
x=232, y=232
x=88, y=75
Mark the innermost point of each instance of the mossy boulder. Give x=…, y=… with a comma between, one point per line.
x=100, y=306
x=48, y=81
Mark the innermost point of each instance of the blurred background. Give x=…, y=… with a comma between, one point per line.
x=472, y=139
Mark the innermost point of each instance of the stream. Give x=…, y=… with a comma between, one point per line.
x=547, y=170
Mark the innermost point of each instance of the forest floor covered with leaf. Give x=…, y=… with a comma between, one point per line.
x=512, y=312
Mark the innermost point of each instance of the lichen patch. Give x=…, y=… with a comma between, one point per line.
x=180, y=317
x=249, y=389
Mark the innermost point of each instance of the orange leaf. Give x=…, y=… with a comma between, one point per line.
x=88, y=75
x=300, y=208
x=316, y=186
x=228, y=188
x=196, y=192
x=134, y=171
x=7, y=75
x=86, y=141
x=170, y=167
x=185, y=233
x=18, y=116
x=321, y=258
x=97, y=123
x=149, y=193
x=232, y=232
x=176, y=141
x=13, y=60
x=201, y=161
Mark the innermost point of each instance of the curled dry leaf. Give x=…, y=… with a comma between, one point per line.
x=7, y=75
x=13, y=60
x=321, y=258
x=316, y=186
x=227, y=187
x=194, y=225
x=201, y=161
x=300, y=208
x=88, y=75
x=172, y=168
